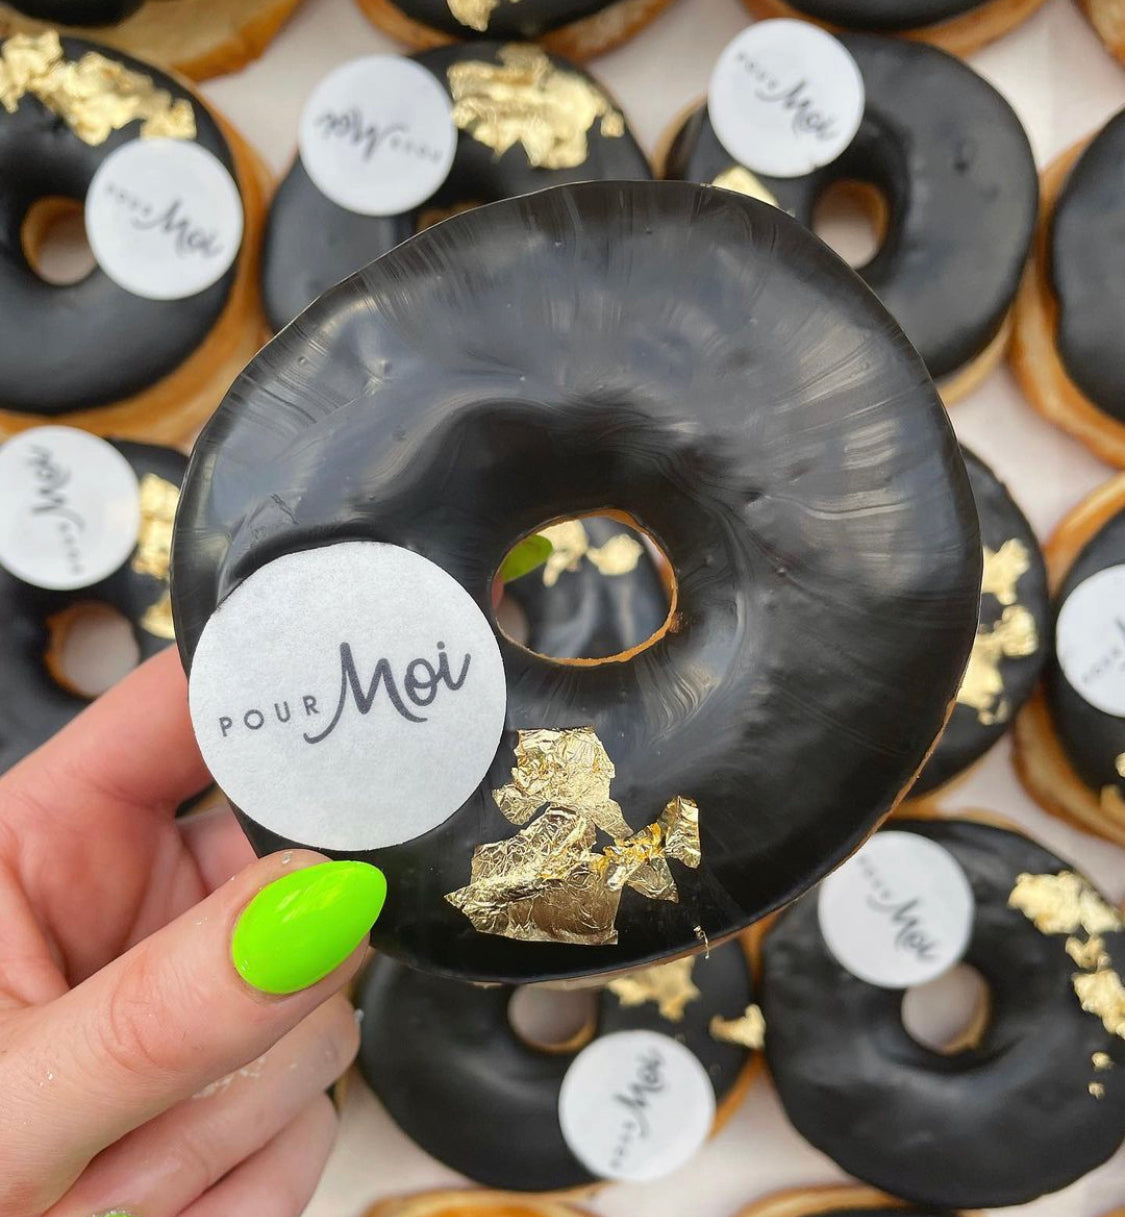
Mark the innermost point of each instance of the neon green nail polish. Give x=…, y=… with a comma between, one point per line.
x=305, y=924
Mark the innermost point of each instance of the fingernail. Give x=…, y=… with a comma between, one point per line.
x=305, y=924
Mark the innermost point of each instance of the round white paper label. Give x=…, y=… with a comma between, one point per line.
x=785, y=98
x=635, y=1105
x=349, y=697
x=1090, y=640
x=163, y=218
x=899, y=912
x=70, y=508
x=377, y=135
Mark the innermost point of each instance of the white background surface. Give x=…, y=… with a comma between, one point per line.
x=1063, y=84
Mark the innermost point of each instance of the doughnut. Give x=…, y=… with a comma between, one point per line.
x=575, y=29
x=38, y=700
x=857, y=1086
x=1065, y=348
x=521, y=364
x=134, y=368
x=1012, y=637
x=945, y=169
x=446, y=1063
x=475, y=1203
x=843, y=1200
x=1108, y=18
x=957, y=26
x=1068, y=750
x=197, y=38
x=312, y=243
x=599, y=595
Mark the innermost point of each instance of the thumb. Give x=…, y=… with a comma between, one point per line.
x=204, y=996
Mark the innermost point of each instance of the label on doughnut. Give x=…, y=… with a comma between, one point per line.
x=1090, y=640
x=899, y=912
x=70, y=508
x=349, y=697
x=785, y=98
x=635, y=1105
x=377, y=135
x=164, y=218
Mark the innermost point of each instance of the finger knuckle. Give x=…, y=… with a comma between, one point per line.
x=133, y=1031
x=342, y=1037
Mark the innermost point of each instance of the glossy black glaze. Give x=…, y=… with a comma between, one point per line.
x=312, y=243
x=588, y=615
x=1091, y=739
x=511, y=20
x=33, y=706
x=881, y=16
x=951, y=159
x=94, y=342
x=998, y=1124
x=78, y=12
x=692, y=358
x=1088, y=269
x=966, y=739
x=445, y=1062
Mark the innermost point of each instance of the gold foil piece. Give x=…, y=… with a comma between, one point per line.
x=159, y=500
x=618, y=556
x=1101, y=1061
x=542, y=885
x=567, y=769
x=639, y=863
x=1102, y=993
x=526, y=100
x=157, y=619
x=982, y=686
x=94, y=96
x=1003, y=569
x=1097, y=1090
x=1119, y=764
x=473, y=13
x=569, y=544
x=668, y=986
x=1089, y=954
x=1063, y=904
x=739, y=179
x=749, y=1031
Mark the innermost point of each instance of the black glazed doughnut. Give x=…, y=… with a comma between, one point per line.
x=107, y=360
x=37, y=702
x=1012, y=636
x=576, y=29
x=846, y=1200
x=312, y=243
x=1067, y=345
x=529, y=369
x=199, y=38
x=943, y=159
x=957, y=26
x=1069, y=752
x=857, y=1086
x=587, y=609
x=458, y=1079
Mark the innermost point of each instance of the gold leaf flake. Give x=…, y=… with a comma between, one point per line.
x=1003, y=569
x=679, y=822
x=567, y=769
x=668, y=986
x=473, y=13
x=1119, y=764
x=1097, y=1090
x=159, y=500
x=618, y=556
x=639, y=863
x=157, y=619
x=94, y=96
x=748, y=1031
x=1103, y=994
x=1063, y=904
x=542, y=885
x=1101, y=1061
x=739, y=179
x=982, y=686
x=569, y=544
x=526, y=100
x=1089, y=954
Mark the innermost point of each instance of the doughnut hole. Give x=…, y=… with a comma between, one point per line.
x=851, y=217
x=613, y=560
x=950, y=1014
x=554, y=1020
x=90, y=648
x=54, y=241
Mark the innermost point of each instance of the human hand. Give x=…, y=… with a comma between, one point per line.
x=140, y=1072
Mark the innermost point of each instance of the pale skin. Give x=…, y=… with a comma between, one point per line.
x=138, y=1071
